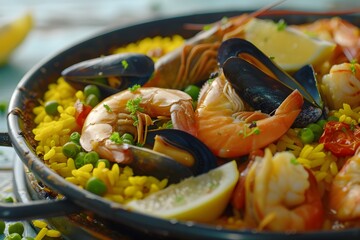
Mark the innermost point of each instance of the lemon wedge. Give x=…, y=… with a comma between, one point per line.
x=201, y=198
x=12, y=33
x=290, y=48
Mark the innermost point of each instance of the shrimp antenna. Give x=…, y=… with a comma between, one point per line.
x=256, y=13
x=265, y=8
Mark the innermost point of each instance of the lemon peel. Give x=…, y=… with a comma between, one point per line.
x=290, y=48
x=202, y=198
x=12, y=33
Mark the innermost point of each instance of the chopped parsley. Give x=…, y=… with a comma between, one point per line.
x=352, y=126
x=294, y=161
x=125, y=64
x=254, y=130
x=133, y=106
x=115, y=137
x=272, y=58
x=352, y=66
x=281, y=25
x=207, y=27
x=107, y=108
x=134, y=87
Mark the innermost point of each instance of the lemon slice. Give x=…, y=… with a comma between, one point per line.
x=201, y=198
x=12, y=33
x=290, y=48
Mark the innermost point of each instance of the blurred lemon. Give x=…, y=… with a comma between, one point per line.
x=201, y=198
x=12, y=33
x=289, y=48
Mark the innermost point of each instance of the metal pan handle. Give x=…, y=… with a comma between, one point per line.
x=37, y=209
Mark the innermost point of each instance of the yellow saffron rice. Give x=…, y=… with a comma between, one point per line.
x=347, y=115
x=154, y=47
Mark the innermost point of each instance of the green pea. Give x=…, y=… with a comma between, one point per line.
x=75, y=137
x=333, y=118
x=127, y=136
x=17, y=227
x=193, y=91
x=306, y=135
x=51, y=108
x=79, y=160
x=9, y=200
x=92, y=89
x=13, y=236
x=92, y=100
x=321, y=123
x=316, y=129
x=91, y=157
x=107, y=163
x=95, y=185
x=2, y=226
x=70, y=149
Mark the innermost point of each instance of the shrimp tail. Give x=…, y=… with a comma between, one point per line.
x=292, y=104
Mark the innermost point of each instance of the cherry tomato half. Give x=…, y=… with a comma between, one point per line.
x=81, y=113
x=340, y=138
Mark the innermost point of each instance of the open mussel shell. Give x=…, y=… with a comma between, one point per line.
x=205, y=160
x=150, y=163
x=127, y=69
x=236, y=47
x=263, y=92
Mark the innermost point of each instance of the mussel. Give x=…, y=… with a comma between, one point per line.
x=111, y=73
x=145, y=161
x=263, y=85
x=204, y=159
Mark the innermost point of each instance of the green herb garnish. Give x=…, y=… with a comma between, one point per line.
x=271, y=57
x=134, y=87
x=352, y=126
x=107, y=108
x=207, y=27
x=133, y=106
x=125, y=64
x=254, y=130
x=281, y=25
x=115, y=137
x=294, y=161
x=352, y=66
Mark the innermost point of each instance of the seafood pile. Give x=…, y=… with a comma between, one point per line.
x=246, y=104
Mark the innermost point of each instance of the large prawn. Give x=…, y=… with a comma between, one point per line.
x=196, y=59
x=230, y=131
x=113, y=115
x=345, y=190
x=280, y=194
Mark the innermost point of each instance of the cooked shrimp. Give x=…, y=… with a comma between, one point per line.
x=112, y=115
x=230, y=131
x=345, y=190
x=281, y=195
x=342, y=85
x=196, y=59
x=339, y=31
